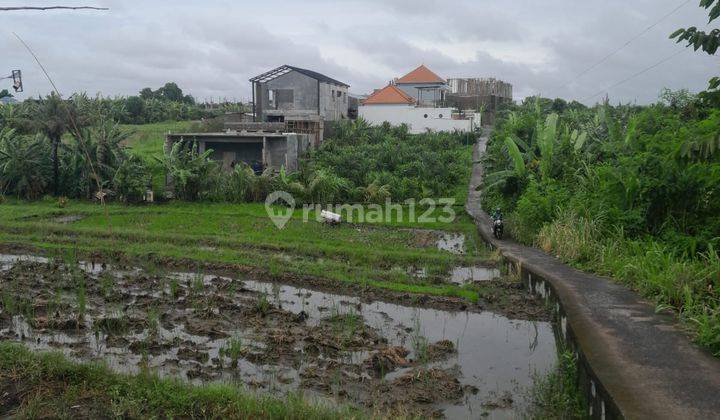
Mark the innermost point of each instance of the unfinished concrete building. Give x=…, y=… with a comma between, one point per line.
x=268, y=146
x=302, y=99
x=486, y=94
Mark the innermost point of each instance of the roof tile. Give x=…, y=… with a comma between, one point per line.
x=421, y=74
x=388, y=95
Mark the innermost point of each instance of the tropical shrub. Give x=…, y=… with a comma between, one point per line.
x=194, y=175
x=625, y=191
x=25, y=168
x=131, y=180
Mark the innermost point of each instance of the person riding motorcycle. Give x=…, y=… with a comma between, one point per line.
x=497, y=225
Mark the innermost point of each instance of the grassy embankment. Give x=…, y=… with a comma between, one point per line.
x=52, y=386
x=147, y=141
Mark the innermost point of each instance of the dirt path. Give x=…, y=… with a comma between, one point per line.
x=646, y=364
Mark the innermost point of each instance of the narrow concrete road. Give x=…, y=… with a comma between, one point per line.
x=645, y=361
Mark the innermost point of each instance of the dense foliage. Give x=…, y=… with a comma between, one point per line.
x=360, y=164
x=167, y=103
x=377, y=162
x=626, y=190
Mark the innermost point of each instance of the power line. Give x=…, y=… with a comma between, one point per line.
x=646, y=69
x=630, y=41
x=8, y=9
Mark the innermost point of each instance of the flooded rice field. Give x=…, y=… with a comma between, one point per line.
x=276, y=338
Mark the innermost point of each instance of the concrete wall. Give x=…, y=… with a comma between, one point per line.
x=305, y=104
x=305, y=96
x=418, y=119
x=227, y=153
x=273, y=150
x=332, y=107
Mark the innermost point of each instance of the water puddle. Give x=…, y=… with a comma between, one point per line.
x=68, y=218
x=278, y=338
x=466, y=275
x=452, y=242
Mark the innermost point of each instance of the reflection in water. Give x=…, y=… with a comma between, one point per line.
x=495, y=354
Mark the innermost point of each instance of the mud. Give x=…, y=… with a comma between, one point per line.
x=272, y=337
x=445, y=241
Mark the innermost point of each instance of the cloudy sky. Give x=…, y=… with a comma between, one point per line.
x=211, y=48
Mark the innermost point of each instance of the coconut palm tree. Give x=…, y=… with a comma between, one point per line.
x=23, y=163
x=53, y=117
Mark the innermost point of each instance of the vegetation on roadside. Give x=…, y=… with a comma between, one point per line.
x=625, y=191
x=557, y=394
x=40, y=385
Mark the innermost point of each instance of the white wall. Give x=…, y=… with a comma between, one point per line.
x=418, y=119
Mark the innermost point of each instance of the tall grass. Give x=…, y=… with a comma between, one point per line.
x=49, y=385
x=689, y=286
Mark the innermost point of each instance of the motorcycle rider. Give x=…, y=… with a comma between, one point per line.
x=497, y=214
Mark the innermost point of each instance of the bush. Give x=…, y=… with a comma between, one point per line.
x=131, y=180
x=535, y=208
x=194, y=176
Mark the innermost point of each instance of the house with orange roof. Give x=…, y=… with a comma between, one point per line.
x=424, y=85
x=395, y=105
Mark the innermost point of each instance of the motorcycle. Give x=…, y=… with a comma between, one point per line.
x=497, y=228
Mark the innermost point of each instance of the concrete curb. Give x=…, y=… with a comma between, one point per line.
x=634, y=362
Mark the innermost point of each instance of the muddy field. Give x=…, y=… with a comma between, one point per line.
x=277, y=338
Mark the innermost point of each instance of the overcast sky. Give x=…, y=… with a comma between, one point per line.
x=211, y=48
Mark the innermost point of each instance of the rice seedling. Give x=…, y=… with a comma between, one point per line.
x=153, y=321
x=233, y=349
x=107, y=284
x=262, y=304
x=419, y=343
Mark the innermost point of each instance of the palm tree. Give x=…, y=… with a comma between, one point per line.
x=22, y=164
x=53, y=117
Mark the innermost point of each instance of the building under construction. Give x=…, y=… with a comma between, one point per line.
x=486, y=94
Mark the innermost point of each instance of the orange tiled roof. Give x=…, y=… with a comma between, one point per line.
x=421, y=74
x=390, y=94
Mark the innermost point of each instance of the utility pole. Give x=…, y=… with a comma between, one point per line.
x=16, y=76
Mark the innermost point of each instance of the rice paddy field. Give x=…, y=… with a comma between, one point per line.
x=210, y=310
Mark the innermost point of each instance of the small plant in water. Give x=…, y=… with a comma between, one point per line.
x=107, y=281
x=262, y=305
x=173, y=287
x=81, y=298
x=419, y=342
x=198, y=283
x=233, y=349
x=153, y=318
x=276, y=294
x=9, y=303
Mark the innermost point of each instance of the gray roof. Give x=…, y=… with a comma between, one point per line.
x=279, y=71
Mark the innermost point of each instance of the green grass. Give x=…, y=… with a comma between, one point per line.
x=377, y=255
x=147, y=141
x=687, y=286
x=556, y=395
x=49, y=385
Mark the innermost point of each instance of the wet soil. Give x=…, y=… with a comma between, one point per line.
x=504, y=301
x=272, y=337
